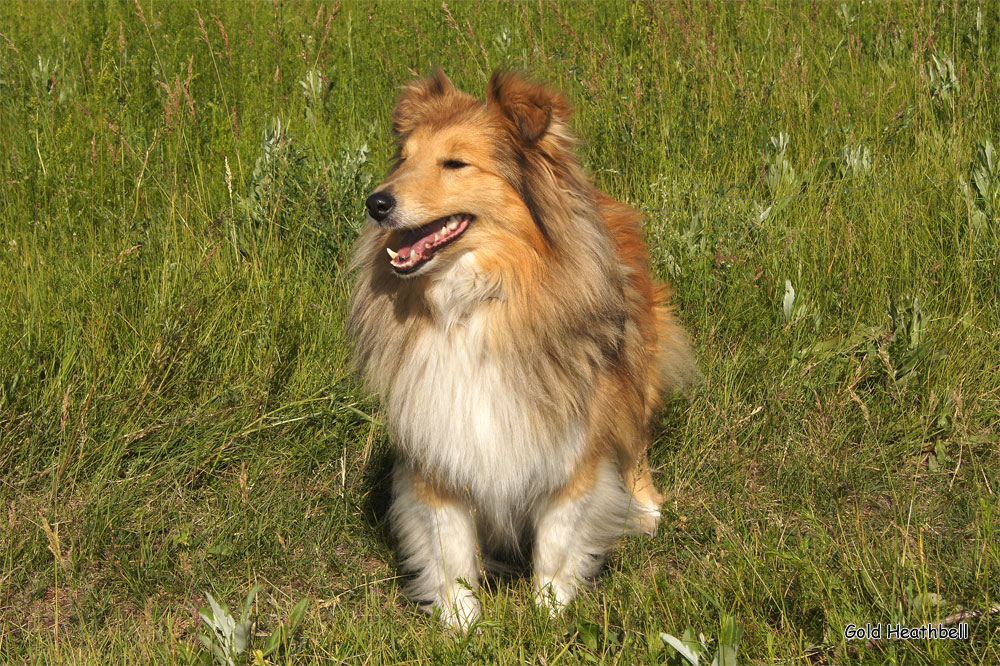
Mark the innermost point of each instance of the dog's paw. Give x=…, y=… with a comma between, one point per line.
x=648, y=521
x=554, y=596
x=459, y=610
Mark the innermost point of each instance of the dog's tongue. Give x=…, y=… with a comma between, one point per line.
x=420, y=244
x=417, y=240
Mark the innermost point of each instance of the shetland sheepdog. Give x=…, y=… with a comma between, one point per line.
x=504, y=314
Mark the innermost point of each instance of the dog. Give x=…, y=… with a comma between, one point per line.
x=505, y=316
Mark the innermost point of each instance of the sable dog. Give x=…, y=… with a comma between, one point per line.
x=505, y=315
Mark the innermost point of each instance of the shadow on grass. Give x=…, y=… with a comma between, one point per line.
x=378, y=499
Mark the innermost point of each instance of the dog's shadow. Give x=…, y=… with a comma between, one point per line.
x=377, y=478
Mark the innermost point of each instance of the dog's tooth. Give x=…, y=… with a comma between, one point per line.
x=391, y=253
x=453, y=223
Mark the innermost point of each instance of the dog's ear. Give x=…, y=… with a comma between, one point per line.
x=418, y=98
x=530, y=107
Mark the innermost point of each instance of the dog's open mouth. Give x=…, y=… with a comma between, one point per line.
x=420, y=244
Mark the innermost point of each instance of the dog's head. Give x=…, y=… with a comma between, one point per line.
x=461, y=178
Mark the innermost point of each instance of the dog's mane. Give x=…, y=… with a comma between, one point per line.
x=540, y=163
x=572, y=307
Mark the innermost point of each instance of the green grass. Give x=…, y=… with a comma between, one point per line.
x=177, y=203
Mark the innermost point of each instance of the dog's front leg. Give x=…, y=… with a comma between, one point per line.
x=437, y=541
x=574, y=530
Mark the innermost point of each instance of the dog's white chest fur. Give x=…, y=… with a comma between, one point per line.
x=467, y=415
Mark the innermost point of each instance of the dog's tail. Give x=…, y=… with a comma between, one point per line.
x=674, y=354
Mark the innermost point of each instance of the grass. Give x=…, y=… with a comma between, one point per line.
x=181, y=186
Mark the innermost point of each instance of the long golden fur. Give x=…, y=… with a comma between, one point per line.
x=505, y=315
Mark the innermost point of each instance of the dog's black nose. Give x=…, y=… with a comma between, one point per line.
x=379, y=205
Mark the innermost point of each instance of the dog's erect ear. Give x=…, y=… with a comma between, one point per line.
x=530, y=107
x=417, y=99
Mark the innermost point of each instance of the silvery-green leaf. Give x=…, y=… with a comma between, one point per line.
x=217, y=609
x=788, y=302
x=978, y=220
x=930, y=599
x=251, y=595
x=295, y=617
x=222, y=656
x=963, y=185
x=780, y=142
x=726, y=656
x=273, y=641
x=228, y=624
x=731, y=631
x=982, y=180
x=241, y=637
x=762, y=213
x=689, y=655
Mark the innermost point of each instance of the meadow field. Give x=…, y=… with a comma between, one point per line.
x=180, y=187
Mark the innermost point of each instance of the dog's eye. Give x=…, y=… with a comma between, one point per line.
x=453, y=164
